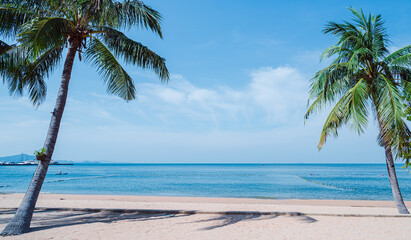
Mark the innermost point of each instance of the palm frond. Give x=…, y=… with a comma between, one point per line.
x=401, y=145
x=338, y=116
x=12, y=18
x=116, y=78
x=360, y=18
x=331, y=81
x=403, y=60
x=358, y=107
x=15, y=13
x=12, y=63
x=35, y=73
x=400, y=74
x=134, y=52
x=398, y=53
x=389, y=106
x=127, y=14
x=22, y=74
x=45, y=33
x=315, y=106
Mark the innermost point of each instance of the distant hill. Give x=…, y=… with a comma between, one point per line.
x=17, y=158
x=25, y=157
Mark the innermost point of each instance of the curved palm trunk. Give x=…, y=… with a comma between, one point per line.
x=399, y=202
x=393, y=181
x=20, y=223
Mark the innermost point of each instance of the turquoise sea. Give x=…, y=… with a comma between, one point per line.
x=283, y=181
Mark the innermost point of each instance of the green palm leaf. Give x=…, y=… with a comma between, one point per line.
x=358, y=105
x=35, y=72
x=404, y=60
x=15, y=13
x=134, y=52
x=45, y=33
x=337, y=117
x=389, y=104
x=12, y=62
x=116, y=78
x=399, y=53
x=127, y=14
x=12, y=18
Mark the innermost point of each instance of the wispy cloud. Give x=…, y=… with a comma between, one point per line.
x=281, y=92
x=274, y=96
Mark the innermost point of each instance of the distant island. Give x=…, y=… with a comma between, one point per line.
x=25, y=159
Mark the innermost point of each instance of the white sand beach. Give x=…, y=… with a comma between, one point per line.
x=71, y=218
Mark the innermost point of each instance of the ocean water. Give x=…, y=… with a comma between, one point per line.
x=282, y=181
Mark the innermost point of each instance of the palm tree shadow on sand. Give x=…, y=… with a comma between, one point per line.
x=230, y=219
x=57, y=219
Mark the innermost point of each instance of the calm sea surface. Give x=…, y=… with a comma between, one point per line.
x=283, y=181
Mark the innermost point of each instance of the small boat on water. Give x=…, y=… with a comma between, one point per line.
x=61, y=173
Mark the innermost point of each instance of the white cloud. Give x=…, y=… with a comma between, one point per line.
x=170, y=95
x=100, y=113
x=275, y=95
x=280, y=91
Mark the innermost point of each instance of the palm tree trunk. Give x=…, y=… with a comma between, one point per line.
x=395, y=188
x=402, y=209
x=20, y=223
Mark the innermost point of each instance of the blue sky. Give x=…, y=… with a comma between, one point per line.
x=238, y=91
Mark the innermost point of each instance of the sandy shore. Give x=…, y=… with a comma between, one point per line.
x=316, y=219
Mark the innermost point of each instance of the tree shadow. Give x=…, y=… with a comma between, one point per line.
x=226, y=220
x=230, y=219
x=10, y=212
x=6, y=211
x=56, y=219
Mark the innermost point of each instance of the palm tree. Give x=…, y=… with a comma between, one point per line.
x=364, y=77
x=42, y=29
